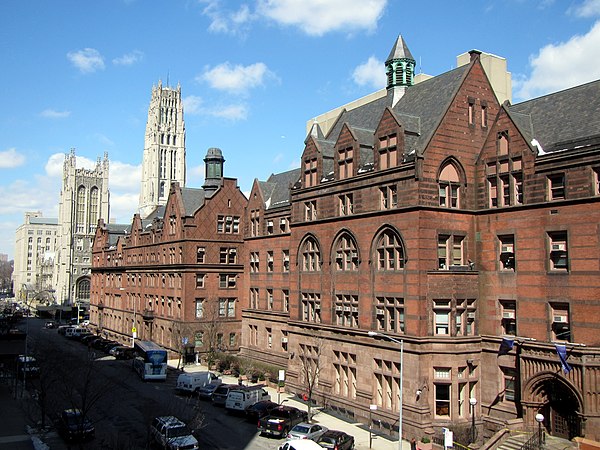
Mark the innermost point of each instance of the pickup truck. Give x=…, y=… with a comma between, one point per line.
x=281, y=420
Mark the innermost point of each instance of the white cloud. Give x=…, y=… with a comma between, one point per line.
x=129, y=59
x=563, y=65
x=318, y=17
x=371, y=73
x=192, y=104
x=55, y=163
x=195, y=173
x=589, y=8
x=236, y=79
x=53, y=114
x=88, y=60
x=230, y=112
x=10, y=159
x=123, y=206
x=226, y=21
x=36, y=194
x=125, y=177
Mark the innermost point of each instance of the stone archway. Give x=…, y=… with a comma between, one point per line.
x=558, y=401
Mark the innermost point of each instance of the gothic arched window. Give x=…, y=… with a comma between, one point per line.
x=311, y=255
x=346, y=254
x=390, y=251
x=80, y=217
x=449, y=187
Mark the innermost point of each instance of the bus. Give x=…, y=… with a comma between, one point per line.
x=150, y=361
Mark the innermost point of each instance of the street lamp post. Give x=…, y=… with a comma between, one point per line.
x=539, y=419
x=473, y=402
x=401, y=342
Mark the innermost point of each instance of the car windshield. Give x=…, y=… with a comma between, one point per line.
x=301, y=429
x=178, y=432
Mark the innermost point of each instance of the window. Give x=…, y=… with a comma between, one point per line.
x=285, y=255
x=310, y=172
x=227, y=281
x=200, y=255
x=507, y=252
x=199, y=339
x=449, y=184
x=199, y=308
x=270, y=226
x=80, y=217
x=346, y=255
x=346, y=310
x=269, y=338
x=484, y=112
x=441, y=311
x=345, y=202
x=390, y=314
x=226, y=307
x=559, y=256
x=286, y=299
x=232, y=339
x=388, y=152
x=442, y=392
x=93, y=220
x=228, y=255
x=471, y=111
x=270, y=262
x=596, y=181
x=311, y=307
x=284, y=225
x=388, y=197
x=509, y=376
x=387, y=384
x=200, y=278
x=254, y=262
x=464, y=317
x=254, y=298
x=561, y=328
x=270, y=299
x=311, y=257
x=345, y=163
x=254, y=223
x=508, y=311
x=228, y=224
x=450, y=251
x=556, y=187
x=344, y=365
x=284, y=341
x=310, y=211
x=390, y=252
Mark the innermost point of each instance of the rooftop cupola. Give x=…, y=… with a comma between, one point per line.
x=213, y=169
x=400, y=70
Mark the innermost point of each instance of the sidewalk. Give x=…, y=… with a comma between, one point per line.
x=358, y=430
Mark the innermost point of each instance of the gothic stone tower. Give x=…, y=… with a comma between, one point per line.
x=84, y=198
x=164, y=148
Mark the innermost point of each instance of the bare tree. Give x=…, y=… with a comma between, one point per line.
x=310, y=366
x=211, y=327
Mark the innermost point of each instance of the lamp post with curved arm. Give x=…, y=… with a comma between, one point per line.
x=401, y=342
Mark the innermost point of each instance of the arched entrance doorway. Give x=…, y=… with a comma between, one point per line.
x=558, y=401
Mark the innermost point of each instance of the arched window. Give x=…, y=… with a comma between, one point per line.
x=346, y=254
x=449, y=187
x=80, y=218
x=390, y=251
x=93, y=213
x=311, y=256
x=83, y=289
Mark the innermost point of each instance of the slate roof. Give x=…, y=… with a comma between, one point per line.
x=115, y=231
x=400, y=50
x=560, y=120
x=276, y=189
x=193, y=200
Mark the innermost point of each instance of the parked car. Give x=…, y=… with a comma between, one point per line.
x=305, y=430
x=50, y=324
x=74, y=426
x=172, y=434
x=89, y=339
x=281, y=420
x=122, y=352
x=62, y=329
x=241, y=397
x=260, y=409
x=27, y=367
x=336, y=440
x=206, y=392
x=300, y=444
x=219, y=396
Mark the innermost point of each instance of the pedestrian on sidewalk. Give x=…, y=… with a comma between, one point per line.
x=413, y=444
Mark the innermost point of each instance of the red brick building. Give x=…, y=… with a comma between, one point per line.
x=435, y=216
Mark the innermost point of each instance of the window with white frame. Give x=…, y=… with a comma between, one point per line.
x=311, y=307
x=226, y=307
x=311, y=256
x=388, y=196
x=200, y=255
x=269, y=337
x=270, y=301
x=450, y=251
x=442, y=391
x=200, y=278
x=508, y=314
x=345, y=204
x=389, y=312
x=464, y=317
x=346, y=254
x=255, y=222
x=441, y=312
x=285, y=293
x=559, y=256
x=254, y=298
x=227, y=281
x=270, y=226
x=228, y=255
x=284, y=225
x=390, y=252
x=270, y=262
x=228, y=224
x=199, y=308
x=285, y=256
x=346, y=310
x=254, y=262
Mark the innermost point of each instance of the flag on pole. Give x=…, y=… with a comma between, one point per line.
x=506, y=346
x=561, y=350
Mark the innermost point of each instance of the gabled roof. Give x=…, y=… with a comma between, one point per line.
x=193, y=200
x=115, y=231
x=559, y=120
x=276, y=189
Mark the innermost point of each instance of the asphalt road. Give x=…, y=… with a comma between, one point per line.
x=122, y=405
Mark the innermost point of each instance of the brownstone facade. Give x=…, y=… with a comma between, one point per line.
x=436, y=217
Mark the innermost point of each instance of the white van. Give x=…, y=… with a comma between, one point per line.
x=74, y=332
x=300, y=444
x=239, y=398
x=191, y=382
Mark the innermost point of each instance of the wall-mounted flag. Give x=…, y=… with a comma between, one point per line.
x=506, y=346
x=561, y=350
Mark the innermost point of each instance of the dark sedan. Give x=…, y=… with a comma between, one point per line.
x=74, y=426
x=336, y=440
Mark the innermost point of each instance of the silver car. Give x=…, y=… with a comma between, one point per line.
x=305, y=430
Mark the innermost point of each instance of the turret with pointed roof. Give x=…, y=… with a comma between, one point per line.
x=400, y=70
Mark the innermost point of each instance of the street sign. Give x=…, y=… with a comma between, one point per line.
x=134, y=330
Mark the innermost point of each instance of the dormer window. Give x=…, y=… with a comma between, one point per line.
x=345, y=163
x=388, y=151
x=310, y=172
x=449, y=187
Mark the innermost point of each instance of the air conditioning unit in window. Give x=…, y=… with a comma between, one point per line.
x=560, y=319
x=347, y=308
x=470, y=315
x=379, y=311
x=559, y=247
x=507, y=248
x=355, y=309
x=284, y=340
x=508, y=315
x=339, y=308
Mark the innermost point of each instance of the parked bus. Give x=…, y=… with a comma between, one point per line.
x=150, y=361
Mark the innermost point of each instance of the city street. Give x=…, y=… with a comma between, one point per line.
x=121, y=405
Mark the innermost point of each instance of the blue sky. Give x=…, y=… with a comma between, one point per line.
x=78, y=74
